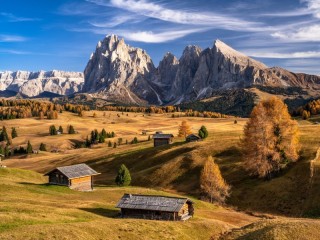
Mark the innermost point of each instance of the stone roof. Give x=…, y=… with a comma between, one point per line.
x=75, y=171
x=153, y=203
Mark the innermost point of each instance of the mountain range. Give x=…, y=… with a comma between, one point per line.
x=123, y=74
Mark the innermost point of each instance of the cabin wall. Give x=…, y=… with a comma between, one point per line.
x=148, y=214
x=58, y=178
x=160, y=142
x=184, y=210
x=81, y=184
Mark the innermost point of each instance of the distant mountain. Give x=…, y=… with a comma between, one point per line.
x=120, y=73
x=31, y=84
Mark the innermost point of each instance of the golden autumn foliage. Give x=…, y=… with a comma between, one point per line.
x=271, y=139
x=212, y=183
x=184, y=129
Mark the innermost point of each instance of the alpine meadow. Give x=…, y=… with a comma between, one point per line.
x=159, y=120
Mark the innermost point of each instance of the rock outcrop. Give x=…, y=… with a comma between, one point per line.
x=121, y=73
x=32, y=84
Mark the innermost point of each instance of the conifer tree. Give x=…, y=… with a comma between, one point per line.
x=114, y=145
x=52, y=130
x=184, y=129
x=271, y=139
x=71, y=130
x=109, y=144
x=60, y=130
x=43, y=147
x=123, y=178
x=14, y=133
x=104, y=133
x=203, y=132
x=212, y=183
x=4, y=135
x=29, y=148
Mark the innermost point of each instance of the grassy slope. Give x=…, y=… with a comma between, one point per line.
x=30, y=209
x=177, y=168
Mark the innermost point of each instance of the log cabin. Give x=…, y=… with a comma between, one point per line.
x=193, y=138
x=78, y=177
x=160, y=139
x=155, y=207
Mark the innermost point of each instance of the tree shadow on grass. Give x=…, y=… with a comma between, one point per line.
x=34, y=184
x=104, y=212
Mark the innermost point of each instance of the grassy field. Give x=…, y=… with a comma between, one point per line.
x=30, y=209
x=174, y=169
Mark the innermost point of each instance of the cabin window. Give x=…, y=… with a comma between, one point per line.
x=183, y=212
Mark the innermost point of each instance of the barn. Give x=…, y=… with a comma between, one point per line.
x=193, y=138
x=160, y=139
x=78, y=177
x=155, y=207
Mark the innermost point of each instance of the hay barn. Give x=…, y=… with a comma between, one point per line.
x=162, y=139
x=78, y=177
x=155, y=207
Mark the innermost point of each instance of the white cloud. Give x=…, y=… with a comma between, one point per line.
x=303, y=34
x=313, y=7
x=266, y=54
x=160, y=12
x=12, y=38
x=13, y=18
x=116, y=21
x=151, y=37
x=16, y=52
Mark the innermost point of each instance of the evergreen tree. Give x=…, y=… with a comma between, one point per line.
x=43, y=147
x=1, y=150
x=14, y=133
x=109, y=144
x=135, y=140
x=71, y=130
x=203, y=132
x=7, y=151
x=101, y=138
x=114, y=145
x=53, y=130
x=104, y=133
x=60, y=130
x=29, y=148
x=113, y=134
x=4, y=135
x=123, y=178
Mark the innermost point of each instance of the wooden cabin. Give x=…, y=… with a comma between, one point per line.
x=160, y=139
x=78, y=177
x=193, y=138
x=155, y=207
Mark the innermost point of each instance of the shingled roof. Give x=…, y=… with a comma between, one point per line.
x=164, y=136
x=75, y=171
x=153, y=203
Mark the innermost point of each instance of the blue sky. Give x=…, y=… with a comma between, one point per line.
x=59, y=34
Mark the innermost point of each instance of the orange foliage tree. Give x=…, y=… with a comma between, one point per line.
x=184, y=129
x=212, y=183
x=271, y=139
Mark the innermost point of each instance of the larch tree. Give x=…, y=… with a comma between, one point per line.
x=271, y=139
x=212, y=183
x=184, y=129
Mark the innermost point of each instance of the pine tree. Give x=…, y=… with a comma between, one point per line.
x=212, y=183
x=60, y=130
x=271, y=139
x=109, y=144
x=52, y=130
x=7, y=151
x=4, y=135
x=203, y=132
x=29, y=148
x=135, y=140
x=104, y=133
x=123, y=178
x=184, y=129
x=101, y=138
x=114, y=145
x=43, y=147
x=71, y=130
x=14, y=133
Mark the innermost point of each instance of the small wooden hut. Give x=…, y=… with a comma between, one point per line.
x=160, y=139
x=155, y=207
x=78, y=177
x=193, y=138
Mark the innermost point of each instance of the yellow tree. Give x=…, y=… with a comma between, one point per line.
x=212, y=183
x=184, y=129
x=271, y=139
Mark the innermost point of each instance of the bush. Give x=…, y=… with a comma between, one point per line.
x=43, y=147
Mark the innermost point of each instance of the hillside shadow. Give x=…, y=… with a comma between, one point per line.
x=104, y=212
x=34, y=184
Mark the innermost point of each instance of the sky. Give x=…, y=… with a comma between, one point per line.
x=61, y=34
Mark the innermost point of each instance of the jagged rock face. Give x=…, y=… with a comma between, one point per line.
x=34, y=83
x=120, y=73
